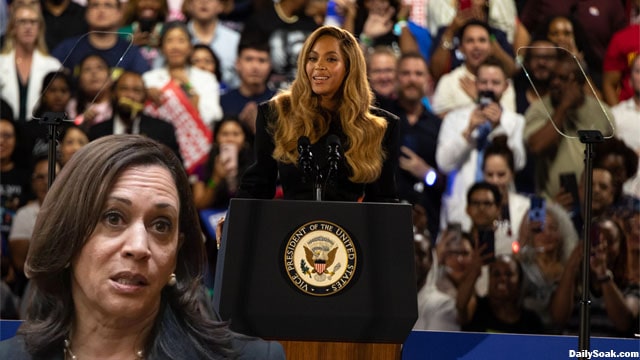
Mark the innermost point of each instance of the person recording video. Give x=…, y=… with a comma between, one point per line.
x=466, y=133
x=322, y=136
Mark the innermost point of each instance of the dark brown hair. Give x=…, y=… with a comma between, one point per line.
x=68, y=216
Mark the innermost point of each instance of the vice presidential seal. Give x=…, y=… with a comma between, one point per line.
x=320, y=258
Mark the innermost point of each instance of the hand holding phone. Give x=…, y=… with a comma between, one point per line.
x=537, y=213
x=486, y=97
x=229, y=156
x=487, y=239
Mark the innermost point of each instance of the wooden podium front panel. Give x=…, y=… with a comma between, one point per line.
x=320, y=350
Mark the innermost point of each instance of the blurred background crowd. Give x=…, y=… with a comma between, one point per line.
x=490, y=96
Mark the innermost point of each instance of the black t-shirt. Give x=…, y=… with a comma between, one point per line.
x=70, y=23
x=285, y=40
x=484, y=320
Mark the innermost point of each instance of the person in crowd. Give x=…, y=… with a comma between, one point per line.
x=629, y=219
x=205, y=27
x=103, y=18
x=200, y=87
x=570, y=110
x=466, y=132
x=143, y=20
x=530, y=83
x=619, y=63
x=606, y=191
x=456, y=89
x=286, y=27
x=543, y=253
x=569, y=35
x=230, y=156
x=119, y=273
x=253, y=66
x=566, y=33
x=445, y=51
x=601, y=19
x=384, y=22
x=539, y=60
x=128, y=97
x=622, y=162
x=13, y=187
x=382, y=63
x=615, y=303
x=55, y=97
x=93, y=91
x=483, y=209
x=419, y=180
x=501, y=310
x=24, y=61
x=498, y=168
x=203, y=57
x=63, y=19
x=72, y=138
x=24, y=222
x=501, y=15
x=606, y=194
x=626, y=115
x=330, y=96
x=437, y=300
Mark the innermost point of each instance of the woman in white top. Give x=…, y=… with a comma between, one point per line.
x=24, y=61
x=201, y=87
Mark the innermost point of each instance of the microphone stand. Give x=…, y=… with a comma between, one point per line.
x=318, y=186
x=587, y=137
x=52, y=120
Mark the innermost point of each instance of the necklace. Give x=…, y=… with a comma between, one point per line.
x=69, y=354
x=284, y=17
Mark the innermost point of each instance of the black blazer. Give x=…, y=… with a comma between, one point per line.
x=154, y=128
x=247, y=348
x=259, y=181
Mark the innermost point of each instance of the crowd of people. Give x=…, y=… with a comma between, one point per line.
x=468, y=110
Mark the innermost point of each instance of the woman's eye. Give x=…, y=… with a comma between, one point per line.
x=113, y=218
x=162, y=226
x=312, y=58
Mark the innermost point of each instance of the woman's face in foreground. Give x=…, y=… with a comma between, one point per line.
x=127, y=260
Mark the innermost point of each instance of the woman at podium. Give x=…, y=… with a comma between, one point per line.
x=323, y=137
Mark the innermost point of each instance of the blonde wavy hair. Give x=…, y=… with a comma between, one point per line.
x=299, y=111
x=10, y=40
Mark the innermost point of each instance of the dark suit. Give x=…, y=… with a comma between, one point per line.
x=153, y=128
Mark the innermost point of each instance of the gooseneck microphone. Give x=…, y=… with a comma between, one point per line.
x=305, y=158
x=333, y=154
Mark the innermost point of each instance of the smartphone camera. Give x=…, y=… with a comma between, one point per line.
x=537, y=212
x=486, y=97
x=145, y=25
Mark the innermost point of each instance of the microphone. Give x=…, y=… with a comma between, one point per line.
x=305, y=158
x=333, y=153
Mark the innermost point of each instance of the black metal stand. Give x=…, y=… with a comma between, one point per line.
x=52, y=120
x=587, y=137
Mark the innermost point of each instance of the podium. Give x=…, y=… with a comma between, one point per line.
x=326, y=279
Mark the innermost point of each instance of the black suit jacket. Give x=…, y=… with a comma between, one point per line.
x=153, y=128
